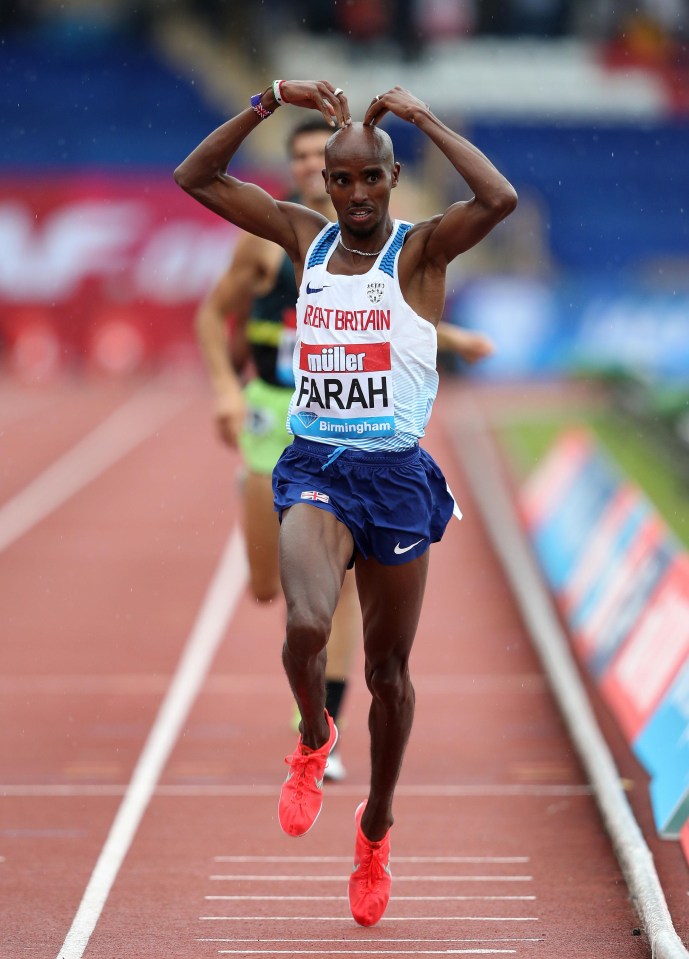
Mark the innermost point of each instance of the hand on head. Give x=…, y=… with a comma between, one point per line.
x=318, y=95
x=331, y=101
x=398, y=101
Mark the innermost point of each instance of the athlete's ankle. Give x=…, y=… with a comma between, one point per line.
x=314, y=737
x=376, y=821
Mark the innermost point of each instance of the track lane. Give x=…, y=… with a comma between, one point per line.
x=489, y=771
x=87, y=599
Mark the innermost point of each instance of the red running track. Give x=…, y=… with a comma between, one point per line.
x=138, y=800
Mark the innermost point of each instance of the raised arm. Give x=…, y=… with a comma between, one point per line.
x=203, y=174
x=465, y=222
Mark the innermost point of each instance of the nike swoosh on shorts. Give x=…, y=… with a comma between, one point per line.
x=405, y=549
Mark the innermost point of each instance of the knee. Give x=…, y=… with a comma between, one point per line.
x=306, y=633
x=389, y=680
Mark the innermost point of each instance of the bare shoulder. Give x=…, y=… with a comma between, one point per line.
x=306, y=223
x=422, y=280
x=413, y=255
x=420, y=232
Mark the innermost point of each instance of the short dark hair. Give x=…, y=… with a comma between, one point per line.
x=314, y=124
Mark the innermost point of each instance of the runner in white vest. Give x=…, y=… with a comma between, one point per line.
x=365, y=362
x=355, y=487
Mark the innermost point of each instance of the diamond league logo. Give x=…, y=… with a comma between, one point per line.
x=306, y=418
x=375, y=291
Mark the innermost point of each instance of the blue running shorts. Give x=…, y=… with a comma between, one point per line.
x=395, y=504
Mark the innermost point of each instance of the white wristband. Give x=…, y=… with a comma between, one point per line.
x=276, y=92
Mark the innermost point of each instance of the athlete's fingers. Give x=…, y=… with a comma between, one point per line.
x=318, y=95
x=376, y=110
x=333, y=106
x=332, y=112
x=344, y=105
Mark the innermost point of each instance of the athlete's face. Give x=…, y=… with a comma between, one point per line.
x=306, y=164
x=360, y=173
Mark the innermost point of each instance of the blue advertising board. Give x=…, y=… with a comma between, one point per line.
x=629, y=622
x=546, y=328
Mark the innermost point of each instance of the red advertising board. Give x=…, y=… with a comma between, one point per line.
x=107, y=268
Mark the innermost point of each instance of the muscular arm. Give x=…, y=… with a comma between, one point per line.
x=203, y=173
x=464, y=223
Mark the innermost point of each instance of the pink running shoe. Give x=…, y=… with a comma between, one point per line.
x=370, y=882
x=301, y=797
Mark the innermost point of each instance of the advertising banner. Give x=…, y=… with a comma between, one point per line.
x=578, y=323
x=103, y=268
x=650, y=665
x=622, y=583
x=579, y=492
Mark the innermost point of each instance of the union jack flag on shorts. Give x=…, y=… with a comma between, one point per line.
x=314, y=495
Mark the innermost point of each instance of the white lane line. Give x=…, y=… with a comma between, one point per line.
x=218, y=606
x=14, y=791
x=64, y=684
x=432, y=791
x=200, y=791
x=366, y=952
x=240, y=684
x=345, y=898
x=344, y=941
x=118, y=434
x=384, y=919
x=501, y=860
x=239, y=877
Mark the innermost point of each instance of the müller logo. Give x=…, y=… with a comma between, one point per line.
x=336, y=359
x=369, y=358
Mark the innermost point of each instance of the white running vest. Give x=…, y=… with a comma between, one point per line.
x=364, y=362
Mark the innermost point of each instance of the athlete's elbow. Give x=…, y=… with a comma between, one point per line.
x=183, y=178
x=504, y=201
x=191, y=177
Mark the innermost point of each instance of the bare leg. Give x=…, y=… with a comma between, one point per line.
x=314, y=551
x=391, y=599
x=261, y=530
x=346, y=631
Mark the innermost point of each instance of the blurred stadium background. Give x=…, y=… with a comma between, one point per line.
x=584, y=105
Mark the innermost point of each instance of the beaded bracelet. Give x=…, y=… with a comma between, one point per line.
x=258, y=107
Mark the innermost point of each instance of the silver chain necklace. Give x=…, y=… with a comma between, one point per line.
x=363, y=252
